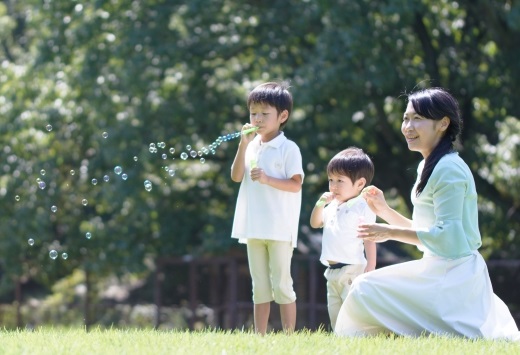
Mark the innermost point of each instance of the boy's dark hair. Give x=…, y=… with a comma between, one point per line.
x=273, y=94
x=354, y=163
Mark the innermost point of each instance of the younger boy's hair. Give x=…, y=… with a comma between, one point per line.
x=273, y=94
x=354, y=163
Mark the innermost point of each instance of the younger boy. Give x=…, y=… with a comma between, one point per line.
x=349, y=172
x=269, y=167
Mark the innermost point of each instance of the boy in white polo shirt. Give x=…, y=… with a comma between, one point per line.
x=269, y=167
x=343, y=252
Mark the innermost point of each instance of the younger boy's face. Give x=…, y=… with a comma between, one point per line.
x=266, y=118
x=343, y=188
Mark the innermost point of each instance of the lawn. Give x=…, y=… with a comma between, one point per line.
x=140, y=341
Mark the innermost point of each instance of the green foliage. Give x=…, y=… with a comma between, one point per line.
x=178, y=72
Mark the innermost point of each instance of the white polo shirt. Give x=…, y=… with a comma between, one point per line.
x=263, y=212
x=340, y=242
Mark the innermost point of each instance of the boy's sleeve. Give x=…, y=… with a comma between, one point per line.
x=293, y=162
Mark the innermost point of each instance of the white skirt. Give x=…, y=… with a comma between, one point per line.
x=432, y=295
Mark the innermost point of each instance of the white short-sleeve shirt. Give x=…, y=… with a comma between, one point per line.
x=263, y=212
x=340, y=242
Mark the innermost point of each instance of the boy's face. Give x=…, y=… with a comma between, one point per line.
x=266, y=118
x=343, y=188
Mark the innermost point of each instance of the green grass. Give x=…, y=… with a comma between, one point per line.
x=74, y=341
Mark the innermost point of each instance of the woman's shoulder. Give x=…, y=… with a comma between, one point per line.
x=451, y=166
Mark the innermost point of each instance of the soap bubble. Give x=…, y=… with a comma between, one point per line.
x=54, y=209
x=94, y=181
x=17, y=198
x=124, y=176
x=118, y=170
x=64, y=256
x=106, y=178
x=72, y=172
x=136, y=158
x=30, y=241
x=48, y=127
x=202, y=160
x=84, y=202
x=193, y=154
x=53, y=254
x=184, y=155
x=88, y=235
x=42, y=172
x=164, y=156
x=41, y=184
x=148, y=185
x=172, y=150
x=104, y=135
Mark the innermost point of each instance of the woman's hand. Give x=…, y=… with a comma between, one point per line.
x=375, y=199
x=375, y=232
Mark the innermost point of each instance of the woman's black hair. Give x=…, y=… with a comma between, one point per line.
x=435, y=104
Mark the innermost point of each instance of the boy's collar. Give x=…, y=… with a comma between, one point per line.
x=275, y=142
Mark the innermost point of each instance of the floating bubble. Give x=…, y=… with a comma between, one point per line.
x=124, y=176
x=148, y=185
x=202, y=160
x=72, y=172
x=171, y=172
x=54, y=209
x=84, y=202
x=41, y=184
x=188, y=147
x=94, y=181
x=48, y=127
x=64, y=256
x=17, y=198
x=193, y=154
x=53, y=254
x=104, y=135
x=42, y=172
x=88, y=235
x=118, y=170
x=172, y=150
x=136, y=158
x=30, y=241
x=161, y=145
x=199, y=153
x=106, y=178
x=184, y=155
x=164, y=156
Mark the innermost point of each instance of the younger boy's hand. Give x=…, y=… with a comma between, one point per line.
x=325, y=199
x=369, y=268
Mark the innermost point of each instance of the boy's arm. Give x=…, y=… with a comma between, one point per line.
x=371, y=255
x=294, y=184
x=317, y=217
x=239, y=164
x=317, y=211
x=238, y=167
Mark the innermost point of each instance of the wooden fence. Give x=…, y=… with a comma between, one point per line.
x=223, y=285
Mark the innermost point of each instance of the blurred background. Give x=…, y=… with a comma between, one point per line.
x=98, y=98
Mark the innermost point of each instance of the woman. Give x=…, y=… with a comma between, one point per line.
x=448, y=291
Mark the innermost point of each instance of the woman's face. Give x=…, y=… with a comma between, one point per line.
x=422, y=134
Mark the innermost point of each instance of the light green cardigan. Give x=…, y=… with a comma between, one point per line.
x=445, y=214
